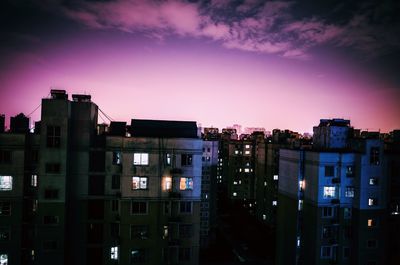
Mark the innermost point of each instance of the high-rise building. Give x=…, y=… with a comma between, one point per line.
x=76, y=192
x=332, y=201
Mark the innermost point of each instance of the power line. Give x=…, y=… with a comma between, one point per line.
x=105, y=115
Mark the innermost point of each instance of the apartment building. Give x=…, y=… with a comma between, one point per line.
x=332, y=200
x=76, y=192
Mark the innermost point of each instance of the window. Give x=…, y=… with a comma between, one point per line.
x=117, y=158
x=187, y=160
x=3, y=259
x=138, y=256
x=140, y=159
x=347, y=232
x=234, y=194
x=53, y=168
x=247, y=152
x=114, y=205
x=139, y=232
x=51, y=194
x=139, y=183
x=167, y=183
x=165, y=232
x=5, y=234
x=346, y=252
x=184, y=254
x=115, y=182
x=371, y=222
x=372, y=243
x=185, y=230
x=168, y=159
x=276, y=177
x=326, y=252
x=372, y=202
x=6, y=183
x=274, y=203
x=327, y=212
x=300, y=205
x=5, y=208
x=34, y=180
x=347, y=212
x=329, y=192
x=50, y=220
x=329, y=171
x=139, y=208
x=374, y=156
x=247, y=170
x=186, y=184
x=185, y=207
x=373, y=181
x=350, y=171
x=349, y=192
x=327, y=232
x=53, y=136
x=167, y=207
x=114, y=253
x=96, y=185
x=114, y=230
x=49, y=244
x=5, y=157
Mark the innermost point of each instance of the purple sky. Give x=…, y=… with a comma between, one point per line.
x=255, y=63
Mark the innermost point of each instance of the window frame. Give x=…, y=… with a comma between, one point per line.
x=141, y=159
x=6, y=185
x=140, y=212
x=139, y=183
x=53, y=136
x=188, y=182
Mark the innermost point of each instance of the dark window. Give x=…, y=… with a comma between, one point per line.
x=114, y=229
x=51, y=194
x=95, y=233
x=49, y=244
x=96, y=185
x=167, y=207
x=346, y=252
x=53, y=168
x=5, y=208
x=185, y=207
x=5, y=157
x=138, y=256
x=350, y=171
x=374, y=156
x=115, y=205
x=326, y=232
x=347, y=232
x=139, y=207
x=184, y=254
x=97, y=161
x=372, y=243
x=139, y=232
x=50, y=220
x=5, y=233
x=185, y=230
x=35, y=156
x=329, y=171
x=327, y=212
x=115, y=182
x=53, y=136
x=95, y=209
x=186, y=160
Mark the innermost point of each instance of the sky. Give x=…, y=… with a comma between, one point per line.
x=271, y=64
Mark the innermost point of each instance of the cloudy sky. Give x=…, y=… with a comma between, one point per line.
x=272, y=64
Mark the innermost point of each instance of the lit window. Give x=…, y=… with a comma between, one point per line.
x=329, y=192
x=5, y=208
x=247, y=146
x=34, y=180
x=168, y=158
x=139, y=183
x=347, y=212
x=276, y=177
x=187, y=160
x=236, y=152
x=167, y=184
x=298, y=241
x=165, y=232
x=264, y=217
x=138, y=256
x=371, y=222
x=301, y=184
x=186, y=184
x=116, y=158
x=6, y=182
x=350, y=171
x=349, y=192
x=274, y=203
x=141, y=159
x=265, y=183
x=235, y=183
x=234, y=194
x=114, y=253
x=247, y=170
x=300, y=206
x=3, y=259
x=247, y=152
x=373, y=181
x=372, y=202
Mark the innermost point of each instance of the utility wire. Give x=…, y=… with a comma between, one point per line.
x=105, y=115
